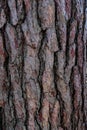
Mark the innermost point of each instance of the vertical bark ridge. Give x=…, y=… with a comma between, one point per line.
x=49, y=46
x=31, y=31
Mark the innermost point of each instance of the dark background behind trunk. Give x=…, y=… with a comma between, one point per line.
x=43, y=64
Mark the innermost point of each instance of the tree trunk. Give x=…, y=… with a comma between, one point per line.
x=43, y=64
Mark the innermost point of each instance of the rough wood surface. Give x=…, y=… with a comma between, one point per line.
x=43, y=64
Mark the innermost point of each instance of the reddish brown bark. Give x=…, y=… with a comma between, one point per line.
x=43, y=62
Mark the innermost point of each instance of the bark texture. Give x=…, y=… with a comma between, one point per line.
x=43, y=64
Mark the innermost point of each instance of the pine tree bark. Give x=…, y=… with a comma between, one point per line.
x=43, y=64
